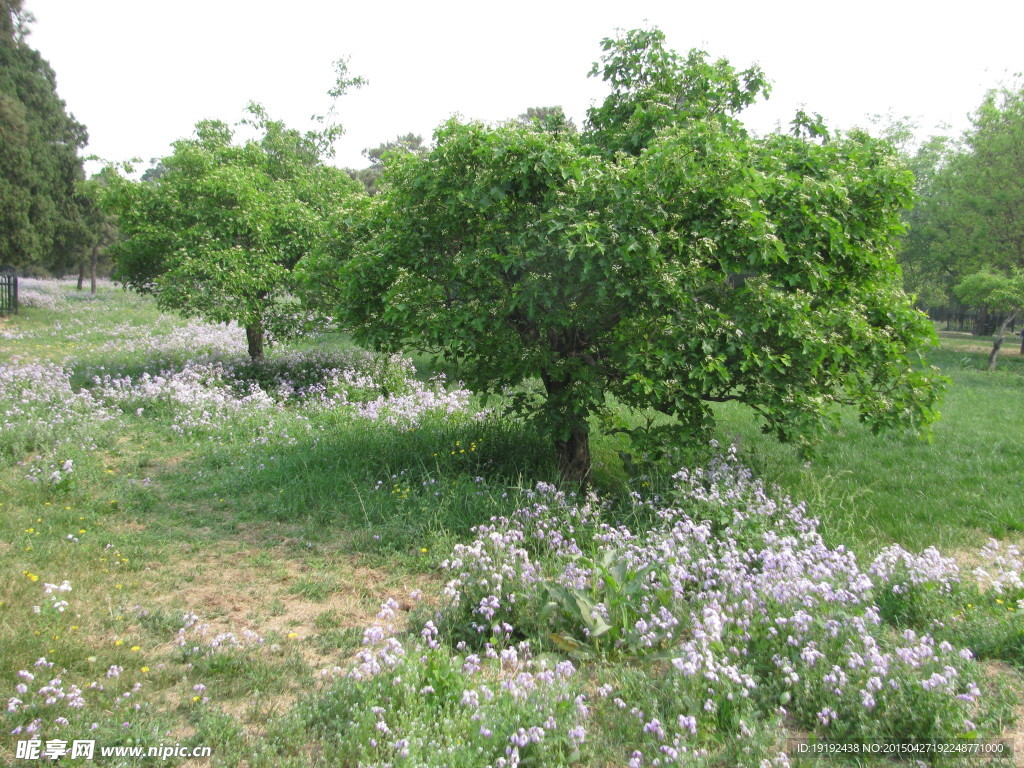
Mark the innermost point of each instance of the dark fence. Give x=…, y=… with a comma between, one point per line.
x=8, y=291
x=978, y=322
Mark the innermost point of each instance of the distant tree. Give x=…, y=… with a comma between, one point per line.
x=662, y=256
x=39, y=164
x=990, y=177
x=73, y=236
x=547, y=119
x=218, y=234
x=933, y=262
x=970, y=221
x=156, y=170
x=377, y=156
x=997, y=293
x=100, y=226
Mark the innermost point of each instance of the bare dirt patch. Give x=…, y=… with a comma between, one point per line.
x=128, y=526
x=272, y=593
x=286, y=596
x=963, y=341
x=1014, y=732
x=968, y=559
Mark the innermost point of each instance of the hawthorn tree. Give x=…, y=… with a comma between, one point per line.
x=662, y=255
x=219, y=231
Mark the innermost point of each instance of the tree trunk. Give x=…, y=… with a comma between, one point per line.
x=254, y=336
x=981, y=322
x=1000, y=335
x=574, y=456
x=92, y=267
x=573, y=452
x=81, y=274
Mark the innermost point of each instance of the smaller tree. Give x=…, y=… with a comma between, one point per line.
x=998, y=294
x=217, y=234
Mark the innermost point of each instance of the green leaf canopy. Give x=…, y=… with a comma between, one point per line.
x=663, y=255
x=219, y=232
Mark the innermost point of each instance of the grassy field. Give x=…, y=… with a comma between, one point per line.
x=286, y=563
x=962, y=484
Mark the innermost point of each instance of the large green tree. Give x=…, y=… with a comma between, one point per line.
x=662, y=255
x=218, y=233
x=40, y=223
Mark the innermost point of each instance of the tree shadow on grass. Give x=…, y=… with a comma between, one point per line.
x=379, y=487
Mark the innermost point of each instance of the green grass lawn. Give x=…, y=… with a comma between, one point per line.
x=962, y=485
x=294, y=522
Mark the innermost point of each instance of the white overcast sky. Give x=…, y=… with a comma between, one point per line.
x=140, y=73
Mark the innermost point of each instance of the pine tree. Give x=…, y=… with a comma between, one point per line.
x=40, y=224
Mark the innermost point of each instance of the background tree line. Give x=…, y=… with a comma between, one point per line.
x=965, y=241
